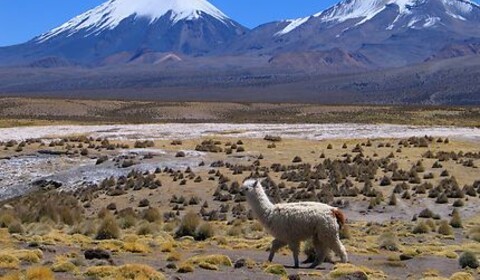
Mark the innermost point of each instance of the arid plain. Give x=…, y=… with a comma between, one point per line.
x=114, y=202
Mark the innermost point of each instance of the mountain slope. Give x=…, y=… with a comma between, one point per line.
x=190, y=27
x=445, y=82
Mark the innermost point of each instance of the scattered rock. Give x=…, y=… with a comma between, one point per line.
x=144, y=203
x=186, y=238
x=294, y=277
x=180, y=154
x=47, y=184
x=101, y=160
x=52, y=153
x=47, y=249
x=97, y=254
x=358, y=275
x=240, y=263
x=405, y=257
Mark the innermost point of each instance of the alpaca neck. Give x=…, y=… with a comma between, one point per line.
x=260, y=204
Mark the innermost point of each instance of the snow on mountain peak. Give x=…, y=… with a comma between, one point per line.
x=109, y=14
x=350, y=9
x=368, y=9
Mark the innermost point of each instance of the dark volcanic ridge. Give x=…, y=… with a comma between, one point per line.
x=444, y=82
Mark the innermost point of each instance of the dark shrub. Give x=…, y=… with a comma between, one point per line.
x=144, y=203
x=101, y=160
x=388, y=241
x=108, y=228
x=15, y=227
x=151, y=215
x=456, y=220
x=297, y=159
x=445, y=229
x=458, y=203
x=385, y=181
x=188, y=225
x=204, y=231
x=421, y=228
x=468, y=259
x=426, y=213
x=442, y=199
x=393, y=200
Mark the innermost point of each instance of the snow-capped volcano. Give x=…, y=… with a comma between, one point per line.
x=370, y=33
x=110, y=14
x=120, y=31
x=364, y=10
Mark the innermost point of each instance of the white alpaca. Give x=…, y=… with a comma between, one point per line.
x=292, y=223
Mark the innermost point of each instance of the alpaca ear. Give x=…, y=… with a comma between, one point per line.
x=257, y=184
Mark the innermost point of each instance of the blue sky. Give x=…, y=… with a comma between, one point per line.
x=21, y=20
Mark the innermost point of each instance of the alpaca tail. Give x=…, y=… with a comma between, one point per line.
x=340, y=217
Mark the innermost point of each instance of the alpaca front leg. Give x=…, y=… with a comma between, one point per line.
x=340, y=250
x=276, y=245
x=295, y=247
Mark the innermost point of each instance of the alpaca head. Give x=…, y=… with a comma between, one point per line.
x=252, y=187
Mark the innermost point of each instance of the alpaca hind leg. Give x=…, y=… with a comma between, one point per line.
x=339, y=250
x=320, y=251
x=329, y=257
x=276, y=245
x=295, y=247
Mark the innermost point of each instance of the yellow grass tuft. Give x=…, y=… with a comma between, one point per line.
x=462, y=276
x=64, y=266
x=431, y=273
x=111, y=245
x=12, y=276
x=8, y=261
x=163, y=236
x=250, y=263
x=128, y=271
x=185, y=268
x=136, y=247
x=341, y=270
x=4, y=236
x=101, y=272
x=130, y=238
x=138, y=271
x=207, y=266
x=211, y=259
x=276, y=269
x=174, y=257
x=39, y=273
x=30, y=256
x=39, y=229
x=450, y=254
x=167, y=247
